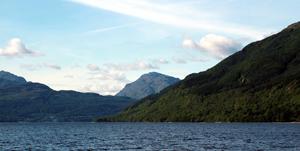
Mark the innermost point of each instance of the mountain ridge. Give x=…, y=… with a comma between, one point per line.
x=260, y=83
x=35, y=102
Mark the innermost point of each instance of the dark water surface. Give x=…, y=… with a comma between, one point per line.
x=149, y=136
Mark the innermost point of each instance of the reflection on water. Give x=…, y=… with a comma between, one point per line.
x=149, y=136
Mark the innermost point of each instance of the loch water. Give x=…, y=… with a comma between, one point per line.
x=149, y=136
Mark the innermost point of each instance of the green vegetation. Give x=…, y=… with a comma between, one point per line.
x=147, y=84
x=7, y=78
x=37, y=102
x=260, y=83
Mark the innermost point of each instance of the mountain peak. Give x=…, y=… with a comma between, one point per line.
x=152, y=74
x=9, y=78
x=147, y=84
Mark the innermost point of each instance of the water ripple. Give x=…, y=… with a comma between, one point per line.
x=149, y=136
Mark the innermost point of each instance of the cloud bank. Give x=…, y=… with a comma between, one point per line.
x=17, y=49
x=103, y=88
x=215, y=46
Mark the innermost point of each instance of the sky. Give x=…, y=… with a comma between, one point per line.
x=101, y=45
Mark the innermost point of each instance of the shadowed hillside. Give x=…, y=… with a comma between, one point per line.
x=37, y=102
x=7, y=78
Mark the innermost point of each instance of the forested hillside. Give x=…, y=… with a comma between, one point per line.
x=34, y=102
x=260, y=83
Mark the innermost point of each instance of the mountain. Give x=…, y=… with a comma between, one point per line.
x=7, y=78
x=35, y=102
x=147, y=84
x=260, y=83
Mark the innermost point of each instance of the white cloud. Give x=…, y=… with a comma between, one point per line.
x=52, y=65
x=31, y=67
x=17, y=49
x=138, y=65
x=215, y=46
x=161, y=61
x=177, y=60
x=110, y=75
x=177, y=14
x=103, y=88
x=93, y=67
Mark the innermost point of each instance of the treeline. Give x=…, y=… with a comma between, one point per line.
x=34, y=102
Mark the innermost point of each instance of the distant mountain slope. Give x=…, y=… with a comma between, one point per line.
x=37, y=102
x=260, y=83
x=147, y=84
x=7, y=78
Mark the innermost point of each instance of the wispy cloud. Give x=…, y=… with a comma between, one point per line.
x=32, y=44
x=31, y=67
x=178, y=60
x=16, y=48
x=52, y=65
x=161, y=61
x=69, y=76
x=102, y=30
x=138, y=65
x=93, y=67
x=172, y=14
x=107, y=29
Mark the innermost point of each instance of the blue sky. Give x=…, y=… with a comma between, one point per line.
x=101, y=45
